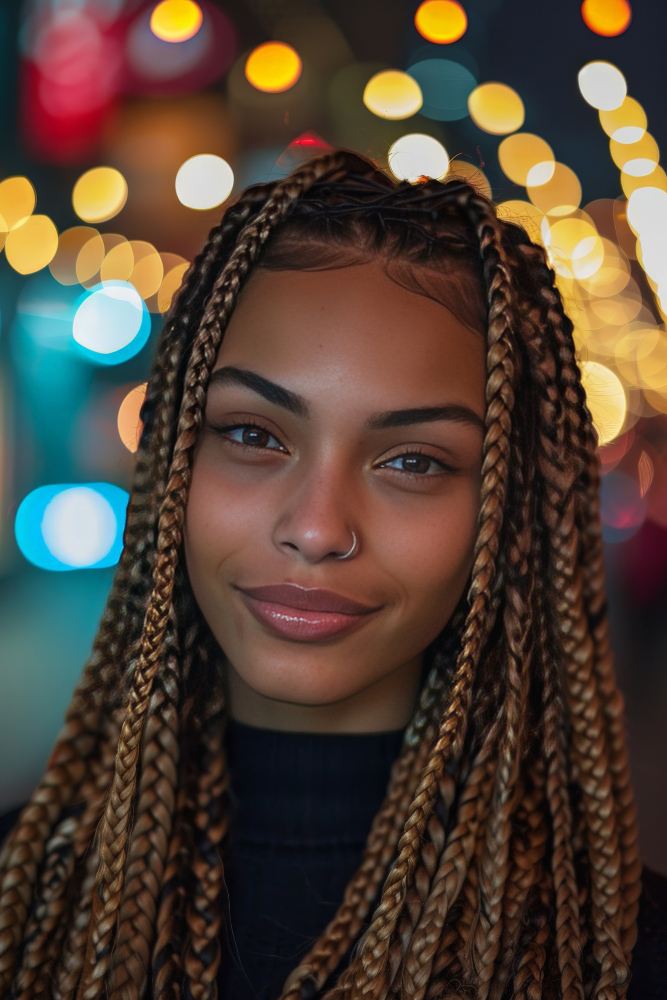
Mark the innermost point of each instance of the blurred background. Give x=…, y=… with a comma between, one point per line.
x=127, y=125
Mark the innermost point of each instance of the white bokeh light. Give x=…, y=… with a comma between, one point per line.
x=602, y=85
x=417, y=155
x=109, y=318
x=79, y=526
x=204, y=181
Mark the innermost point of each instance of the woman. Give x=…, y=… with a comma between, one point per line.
x=364, y=526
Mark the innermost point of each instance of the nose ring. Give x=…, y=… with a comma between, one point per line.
x=352, y=550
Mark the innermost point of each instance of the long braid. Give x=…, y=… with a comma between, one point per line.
x=114, y=832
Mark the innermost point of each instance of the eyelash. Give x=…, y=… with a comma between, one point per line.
x=226, y=431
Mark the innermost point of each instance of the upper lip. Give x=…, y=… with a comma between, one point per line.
x=307, y=599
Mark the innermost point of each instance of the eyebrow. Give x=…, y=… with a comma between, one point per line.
x=291, y=401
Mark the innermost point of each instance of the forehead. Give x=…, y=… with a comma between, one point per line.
x=354, y=331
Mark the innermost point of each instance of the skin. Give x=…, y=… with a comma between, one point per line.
x=279, y=509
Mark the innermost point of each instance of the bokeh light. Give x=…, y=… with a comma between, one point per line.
x=17, y=201
x=470, y=173
x=148, y=270
x=441, y=21
x=173, y=278
x=32, y=245
x=176, y=20
x=526, y=159
x=605, y=398
x=602, y=85
x=575, y=248
x=523, y=214
x=393, y=94
x=626, y=123
x=129, y=422
x=560, y=195
x=656, y=179
x=118, y=263
x=416, y=155
x=111, y=323
x=636, y=158
x=647, y=210
x=496, y=108
x=445, y=87
x=606, y=17
x=99, y=194
x=70, y=243
x=622, y=508
x=273, y=67
x=204, y=181
x=72, y=526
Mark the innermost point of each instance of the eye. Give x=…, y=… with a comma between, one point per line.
x=417, y=463
x=251, y=436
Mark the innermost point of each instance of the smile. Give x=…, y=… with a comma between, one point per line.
x=300, y=624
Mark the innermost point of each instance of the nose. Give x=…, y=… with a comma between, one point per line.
x=315, y=523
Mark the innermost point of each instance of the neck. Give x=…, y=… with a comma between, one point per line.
x=385, y=705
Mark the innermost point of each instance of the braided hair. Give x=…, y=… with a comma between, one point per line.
x=503, y=860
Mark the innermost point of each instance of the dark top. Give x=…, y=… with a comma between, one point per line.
x=302, y=807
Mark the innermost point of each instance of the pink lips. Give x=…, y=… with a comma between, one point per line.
x=304, y=614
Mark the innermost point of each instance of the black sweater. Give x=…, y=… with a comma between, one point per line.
x=302, y=807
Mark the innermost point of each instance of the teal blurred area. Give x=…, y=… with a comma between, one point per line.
x=47, y=624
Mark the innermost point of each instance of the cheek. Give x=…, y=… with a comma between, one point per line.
x=432, y=556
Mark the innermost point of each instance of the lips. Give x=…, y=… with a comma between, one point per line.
x=306, y=599
x=305, y=615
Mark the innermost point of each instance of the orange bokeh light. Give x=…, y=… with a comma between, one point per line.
x=441, y=21
x=129, y=421
x=606, y=17
x=176, y=20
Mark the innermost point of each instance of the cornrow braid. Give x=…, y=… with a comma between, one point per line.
x=503, y=860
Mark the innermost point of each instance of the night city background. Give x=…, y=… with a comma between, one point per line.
x=126, y=127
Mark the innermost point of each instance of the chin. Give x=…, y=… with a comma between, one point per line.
x=311, y=686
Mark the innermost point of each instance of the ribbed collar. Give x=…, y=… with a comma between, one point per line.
x=310, y=789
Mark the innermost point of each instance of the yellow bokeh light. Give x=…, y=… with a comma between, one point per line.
x=605, y=398
x=17, y=201
x=602, y=85
x=626, y=123
x=657, y=179
x=606, y=17
x=118, y=263
x=441, y=21
x=526, y=159
x=174, y=270
x=129, y=423
x=617, y=310
x=469, y=172
x=416, y=155
x=176, y=20
x=273, y=67
x=636, y=158
x=148, y=270
x=70, y=244
x=561, y=195
x=636, y=340
x=575, y=248
x=92, y=255
x=496, y=108
x=612, y=276
x=393, y=94
x=32, y=245
x=523, y=214
x=99, y=194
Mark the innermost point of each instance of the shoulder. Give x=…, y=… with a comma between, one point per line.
x=649, y=958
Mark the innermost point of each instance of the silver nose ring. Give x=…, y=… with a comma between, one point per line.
x=352, y=550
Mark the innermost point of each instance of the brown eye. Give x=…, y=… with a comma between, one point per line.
x=251, y=436
x=255, y=436
x=416, y=463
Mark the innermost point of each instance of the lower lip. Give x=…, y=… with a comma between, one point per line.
x=304, y=626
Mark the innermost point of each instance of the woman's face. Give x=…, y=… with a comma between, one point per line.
x=340, y=402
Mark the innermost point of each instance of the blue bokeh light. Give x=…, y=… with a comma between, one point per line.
x=111, y=323
x=68, y=526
